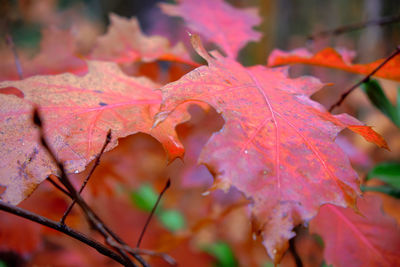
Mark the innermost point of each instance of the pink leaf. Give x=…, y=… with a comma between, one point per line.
x=230, y=28
x=370, y=238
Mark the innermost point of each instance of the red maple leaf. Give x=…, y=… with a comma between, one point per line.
x=277, y=145
x=337, y=59
x=370, y=238
x=77, y=113
x=230, y=28
x=124, y=42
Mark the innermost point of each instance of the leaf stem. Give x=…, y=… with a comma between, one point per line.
x=366, y=79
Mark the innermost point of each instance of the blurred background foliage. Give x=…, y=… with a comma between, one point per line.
x=286, y=23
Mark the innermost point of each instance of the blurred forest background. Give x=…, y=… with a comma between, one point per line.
x=216, y=227
x=286, y=24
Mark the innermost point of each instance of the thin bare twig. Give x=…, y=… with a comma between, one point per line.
x=366, y=79
x=356, y=26
x=120, y=241
x=164, y=256
x=54, y=183
x=91, y=218
x=96, y=163
x=108, y=230
x=61, y=228
x=10, y=43
x=167, y=185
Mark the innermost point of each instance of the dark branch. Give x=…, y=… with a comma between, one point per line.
x=120, y=241
x=90, y=217
x=356, y=26
x=114, y=235
x=134, y=251
x=96, y=163
x=54, y=183
x=61, y=228
x=110, y=232
x=167, y=185
x=366, y=79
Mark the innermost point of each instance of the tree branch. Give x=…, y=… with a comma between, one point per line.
x=366, y=79
x=96, y=163
x=54, y=183
x=90, y=217
x=110, y=232
x=164, y=256
x=61, y=228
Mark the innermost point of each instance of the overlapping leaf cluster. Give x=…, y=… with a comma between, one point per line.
x=276, y=145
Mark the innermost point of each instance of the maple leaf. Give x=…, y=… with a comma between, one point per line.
x=124, y=42
x=57, y=55
x=371, y=238
x=77, y=113
x=20, y=151
x=337, y=59
x=276, y=146
x=230, y=28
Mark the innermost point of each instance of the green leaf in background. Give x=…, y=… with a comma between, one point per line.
x=386, y=189
x=173, y=220
x=26, y=35
x=144, y=198
x=319, y=240
x=378, y=98
x=2, y=264
x=268, y=264
x=389, y=172
x=222, y=252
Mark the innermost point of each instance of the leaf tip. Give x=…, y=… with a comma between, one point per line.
x=198, y=46
x=370, y=135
